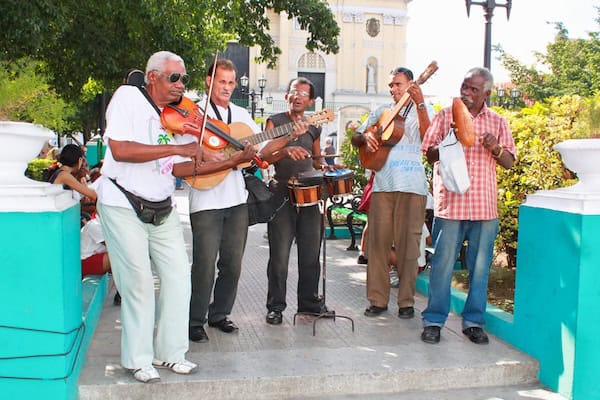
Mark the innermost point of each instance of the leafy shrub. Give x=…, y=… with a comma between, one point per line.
x=536, y=130
x=351, y=160
x=36, y=167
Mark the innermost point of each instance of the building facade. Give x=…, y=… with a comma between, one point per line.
x=372, y=42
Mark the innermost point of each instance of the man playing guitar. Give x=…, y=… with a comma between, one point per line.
x=399, y=195
x=219, y=214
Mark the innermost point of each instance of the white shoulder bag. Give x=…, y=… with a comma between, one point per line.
x=453, y=165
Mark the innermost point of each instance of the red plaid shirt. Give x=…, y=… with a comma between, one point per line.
x=480, y=201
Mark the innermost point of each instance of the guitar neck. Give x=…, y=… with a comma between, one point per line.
x=401, y=103
x=276, y=132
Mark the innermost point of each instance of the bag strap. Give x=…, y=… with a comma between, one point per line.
x=127, y=194
x=147, y=96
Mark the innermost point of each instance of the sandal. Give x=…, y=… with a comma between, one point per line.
x=146, y=375
x=184, y=367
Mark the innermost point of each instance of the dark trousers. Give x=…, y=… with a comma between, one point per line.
x=304, y=224
x=222, y=234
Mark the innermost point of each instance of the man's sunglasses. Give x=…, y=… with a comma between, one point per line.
x=175, y=76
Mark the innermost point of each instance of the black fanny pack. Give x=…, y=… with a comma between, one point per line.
x=149, y=212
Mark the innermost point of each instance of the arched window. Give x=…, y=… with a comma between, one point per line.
x=312, y=66
x=311, y=61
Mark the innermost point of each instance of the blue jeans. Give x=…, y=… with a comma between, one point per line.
x=448, y=236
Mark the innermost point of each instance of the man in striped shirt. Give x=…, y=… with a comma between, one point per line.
x=472, y=216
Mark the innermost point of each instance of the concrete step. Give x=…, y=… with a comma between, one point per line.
x=319, y=372
x=520, y=392
x=382, y=357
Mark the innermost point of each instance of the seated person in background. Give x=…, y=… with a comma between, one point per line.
x=425, y=241
x=88, y=205
x=365, y=203
x=45, y=150
x=71, y=161
x=94, y=256
x=94, y=174
x=329, y=150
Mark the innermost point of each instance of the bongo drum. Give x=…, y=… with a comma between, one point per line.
x=339, y=181
x=305, y=190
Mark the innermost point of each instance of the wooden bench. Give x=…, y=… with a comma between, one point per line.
x=346, y=205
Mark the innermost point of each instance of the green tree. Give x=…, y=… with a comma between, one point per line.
x=25, y=95
x=97, y=39
x=572, y=66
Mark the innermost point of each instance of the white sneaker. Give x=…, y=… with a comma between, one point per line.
x=394, y=280
x=184, y=367
x=146, y=375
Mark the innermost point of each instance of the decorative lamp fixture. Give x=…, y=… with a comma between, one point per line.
x=515, y=93
x=244, y=81
x=262, y=82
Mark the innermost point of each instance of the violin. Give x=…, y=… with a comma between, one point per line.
x=186, y=117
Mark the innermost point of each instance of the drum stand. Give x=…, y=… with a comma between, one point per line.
x=330, y=314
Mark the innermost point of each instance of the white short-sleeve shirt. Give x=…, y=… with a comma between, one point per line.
x=130, y=117
x=231, y=191
x=92, y=239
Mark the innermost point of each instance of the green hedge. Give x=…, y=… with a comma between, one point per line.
x=35, y=168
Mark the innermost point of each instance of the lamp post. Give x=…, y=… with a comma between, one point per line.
x=508, y=101
x=489, y=6
x=256, y=99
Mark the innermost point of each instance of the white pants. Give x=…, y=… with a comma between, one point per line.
x=131, y=244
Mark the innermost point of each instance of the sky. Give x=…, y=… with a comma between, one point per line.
x=440, y=30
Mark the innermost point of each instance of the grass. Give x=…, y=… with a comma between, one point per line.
x=501, y=286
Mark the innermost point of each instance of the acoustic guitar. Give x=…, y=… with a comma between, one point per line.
x=383, y=129
x=243, y=133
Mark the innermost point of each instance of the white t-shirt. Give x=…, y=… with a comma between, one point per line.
x=130, y=117
x=92, y=239
x=231, y=191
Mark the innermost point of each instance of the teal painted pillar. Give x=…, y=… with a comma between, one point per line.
x=557, y=294
x=41, y=320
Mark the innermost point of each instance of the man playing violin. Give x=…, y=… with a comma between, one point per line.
x=140, y=157
x=219, y=214
x=471, y=216
x=301, y=223
x=397, y=210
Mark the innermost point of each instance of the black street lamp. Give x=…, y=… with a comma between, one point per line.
x=256, y=99
x=489, y=6
x=508, y=101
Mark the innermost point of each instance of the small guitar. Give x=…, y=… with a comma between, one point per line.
x=243, y=133
x=383, y=129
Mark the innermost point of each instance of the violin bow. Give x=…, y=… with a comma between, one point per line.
x=210, y=88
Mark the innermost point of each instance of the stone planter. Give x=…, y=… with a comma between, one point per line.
x=581, y=156
x=20, y=143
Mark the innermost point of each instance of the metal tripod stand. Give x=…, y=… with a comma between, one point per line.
x=325, y=313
